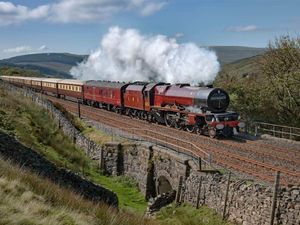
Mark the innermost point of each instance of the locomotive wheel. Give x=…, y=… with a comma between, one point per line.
x=135, y=114
x=190, y=128
x=200, y=131
x=168, y=121
x=212, y=133
x=177, y=125
x=144, y=116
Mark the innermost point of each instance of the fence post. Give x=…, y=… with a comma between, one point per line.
x=74, y=136
x=274, y=201
x=256, y=130
x=209, y=161
x=199, y=193
x=59, y=125
x=200, y=163
x=178, y=194
x=226, y=196
x=78, y=106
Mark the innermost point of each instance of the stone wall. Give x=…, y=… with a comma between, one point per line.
x=248, y=203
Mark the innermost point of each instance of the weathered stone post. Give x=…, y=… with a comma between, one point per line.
x=78, y=106
x=199, y=193
x=178, y=194
x=226, y=195
x=274, y=202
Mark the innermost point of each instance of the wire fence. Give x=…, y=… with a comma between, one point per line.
x=275, y=130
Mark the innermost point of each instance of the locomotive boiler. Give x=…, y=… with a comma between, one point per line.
x=201, y=98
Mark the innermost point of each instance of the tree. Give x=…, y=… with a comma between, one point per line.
x=281, y=65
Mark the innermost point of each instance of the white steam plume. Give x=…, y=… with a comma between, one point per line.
x=126, y=55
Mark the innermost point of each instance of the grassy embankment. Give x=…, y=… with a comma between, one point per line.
x=44, y=202
x=34, y=127
x=26, y=199
x=188, y=215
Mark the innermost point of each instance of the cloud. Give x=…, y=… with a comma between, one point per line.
x=43, y=48
x=76, y=11
x=179, y=35
x=247, y=28
x=151, y=8
x=13, y=14
x=25, y=49
x=19, y=49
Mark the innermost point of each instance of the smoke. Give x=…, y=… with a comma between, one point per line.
x=126, y=55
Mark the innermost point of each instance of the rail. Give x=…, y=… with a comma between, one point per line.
x=280, y=131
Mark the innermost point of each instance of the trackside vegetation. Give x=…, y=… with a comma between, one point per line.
x=26, y=198
x=266, y=87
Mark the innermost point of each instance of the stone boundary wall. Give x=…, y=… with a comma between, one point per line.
x=248, y=202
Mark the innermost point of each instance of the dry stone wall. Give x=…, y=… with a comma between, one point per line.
x=248, y=203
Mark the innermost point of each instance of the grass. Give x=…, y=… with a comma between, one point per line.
x=187, y=215
x=26, y=121
x=26, y=199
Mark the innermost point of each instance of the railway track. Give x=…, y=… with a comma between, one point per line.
x=258, y=160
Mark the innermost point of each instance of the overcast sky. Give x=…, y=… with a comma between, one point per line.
x=77, y=26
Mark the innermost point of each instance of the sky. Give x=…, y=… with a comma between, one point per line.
x=77, y=26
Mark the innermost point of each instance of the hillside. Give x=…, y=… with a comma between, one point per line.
x=241, y=68
x=49, y=64
x=229, y=54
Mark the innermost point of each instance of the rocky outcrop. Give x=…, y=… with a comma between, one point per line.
x=160, y=201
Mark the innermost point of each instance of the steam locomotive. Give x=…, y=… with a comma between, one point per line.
x=194, y=109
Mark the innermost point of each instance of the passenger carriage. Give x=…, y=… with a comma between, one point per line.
x=70, y=88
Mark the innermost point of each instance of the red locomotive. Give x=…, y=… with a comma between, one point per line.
x=195, y=109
